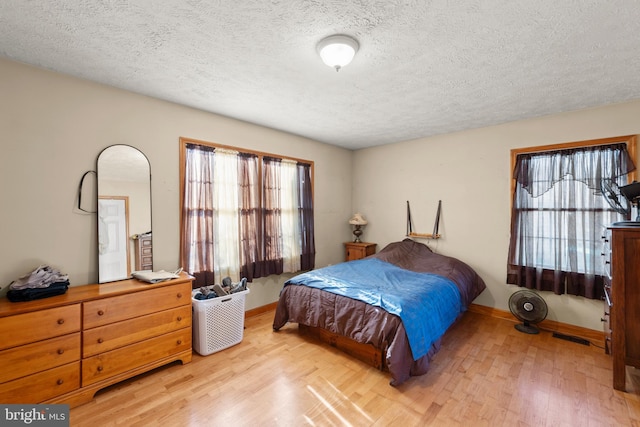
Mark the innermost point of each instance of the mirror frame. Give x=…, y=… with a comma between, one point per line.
x=122, y=164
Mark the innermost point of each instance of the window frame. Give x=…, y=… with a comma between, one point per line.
x=629, y=140
x=184, y=141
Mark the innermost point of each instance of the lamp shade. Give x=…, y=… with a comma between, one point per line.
x=338, y=50
x=357, y=219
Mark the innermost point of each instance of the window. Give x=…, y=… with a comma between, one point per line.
x=244, y=213
x=559, y=213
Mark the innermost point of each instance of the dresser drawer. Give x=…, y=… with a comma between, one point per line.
x=112, y=363
x=606, y=319
x=114, y=309
x=112, y=336
x=42, y=386
x=606, y=254
x=38, y=325
x=21, y=361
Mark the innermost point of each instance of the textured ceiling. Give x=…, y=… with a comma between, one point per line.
x=424, y=67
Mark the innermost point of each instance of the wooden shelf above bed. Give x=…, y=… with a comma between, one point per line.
x=424, y=236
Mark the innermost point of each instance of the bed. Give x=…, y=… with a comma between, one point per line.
x=390, y=309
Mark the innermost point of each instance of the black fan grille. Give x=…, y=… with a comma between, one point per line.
x=614, y=197
x=527, y=306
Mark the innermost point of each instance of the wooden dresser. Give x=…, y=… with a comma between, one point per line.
x=622, y=301
x=358, y=250
x=65, y=348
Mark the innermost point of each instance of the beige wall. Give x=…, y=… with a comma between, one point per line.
x=470, y=172
x=54, y=127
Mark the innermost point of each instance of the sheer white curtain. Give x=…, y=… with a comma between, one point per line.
x=291, y=239
x=562, y=228
x=558, y=217
x=226, y=215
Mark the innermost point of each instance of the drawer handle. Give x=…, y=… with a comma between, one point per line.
x=100, y=368
x=179, y=318
x=60, y=321
x=179, y=295
x=61, y=351
x=60, y=382
x=179, y=342
x=100, y=313
x=100, y=340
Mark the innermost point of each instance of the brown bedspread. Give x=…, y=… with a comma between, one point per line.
x=368, y=324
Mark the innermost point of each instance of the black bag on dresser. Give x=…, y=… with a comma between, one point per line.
x=30, y=294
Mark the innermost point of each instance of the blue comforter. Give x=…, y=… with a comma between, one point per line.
x=427, y=303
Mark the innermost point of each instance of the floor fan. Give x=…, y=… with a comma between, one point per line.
x=528, y=307
x=613, y=196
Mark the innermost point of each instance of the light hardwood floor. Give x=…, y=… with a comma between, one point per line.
x=486, y=374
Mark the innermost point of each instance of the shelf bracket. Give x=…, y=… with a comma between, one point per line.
x=436, y=226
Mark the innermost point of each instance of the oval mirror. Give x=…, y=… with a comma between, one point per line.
x=124, y=213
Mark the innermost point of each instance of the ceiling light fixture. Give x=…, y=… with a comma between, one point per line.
x=338, y=50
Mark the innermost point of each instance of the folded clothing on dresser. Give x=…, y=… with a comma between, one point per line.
x=42, y=282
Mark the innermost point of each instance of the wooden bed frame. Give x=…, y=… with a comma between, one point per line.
x=372, y=356
x=367, y=353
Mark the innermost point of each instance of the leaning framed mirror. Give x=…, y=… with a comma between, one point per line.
x=125, y=241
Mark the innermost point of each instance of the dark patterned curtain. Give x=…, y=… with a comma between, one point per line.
x=259, y=217
x=250, y=235
x=305, y=196
x=272, y=262
x=196, y=238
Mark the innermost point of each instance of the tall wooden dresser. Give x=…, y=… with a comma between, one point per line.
x=143, y=249
x=65, y=348
x=622, y=300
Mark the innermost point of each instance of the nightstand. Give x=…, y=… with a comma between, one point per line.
x=358, y=250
